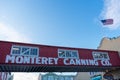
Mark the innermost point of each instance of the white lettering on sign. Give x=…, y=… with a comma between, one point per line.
x=30, y=60
x=26, y=59
x=10, y=58
x=80, y=62
x=54, y=61
x=19, y=59
x=105, y=63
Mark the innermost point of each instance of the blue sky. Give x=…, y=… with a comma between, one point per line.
x=71, y=23
x=57, y=22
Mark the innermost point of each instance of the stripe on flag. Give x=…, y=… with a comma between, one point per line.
x=107, y=21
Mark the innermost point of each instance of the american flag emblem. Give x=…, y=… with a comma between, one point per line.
x=107, y=21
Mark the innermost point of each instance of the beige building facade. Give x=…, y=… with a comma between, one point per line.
x=110, y=44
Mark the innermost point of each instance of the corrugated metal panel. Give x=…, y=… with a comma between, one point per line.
x=20, y=68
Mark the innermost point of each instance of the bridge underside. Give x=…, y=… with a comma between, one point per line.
x=29, y=68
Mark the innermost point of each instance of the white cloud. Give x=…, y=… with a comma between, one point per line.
x=112, y=10
x=10, y=34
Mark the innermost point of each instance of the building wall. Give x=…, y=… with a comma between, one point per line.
x=82, y=76
x=110, y=44
x=87, y=75
x=53, y=76
x=114, y=45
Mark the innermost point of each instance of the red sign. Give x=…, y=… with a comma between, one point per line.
x=42, y=55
